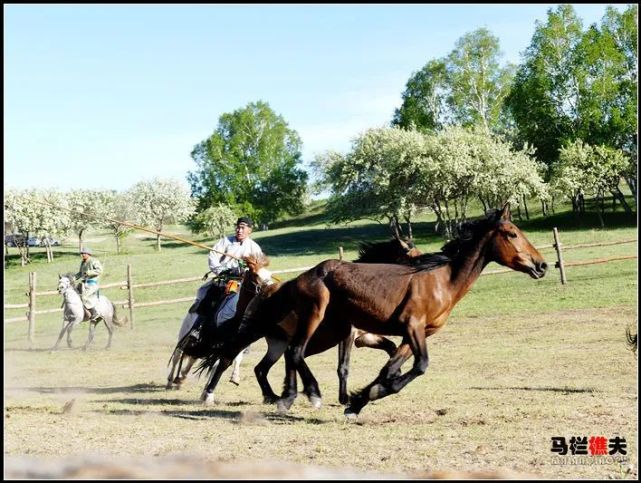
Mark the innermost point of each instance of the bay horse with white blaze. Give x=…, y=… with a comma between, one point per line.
x=412, y=301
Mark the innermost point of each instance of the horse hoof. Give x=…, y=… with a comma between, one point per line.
x=168, y=386
x=350, y=415
x=282, y=406
x=207, y=398
x=316, y=401
x=84, y=348
x=270, y=399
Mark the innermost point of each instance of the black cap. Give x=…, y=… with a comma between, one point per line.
x=246, y=220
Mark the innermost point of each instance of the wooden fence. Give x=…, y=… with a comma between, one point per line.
x=129, y=285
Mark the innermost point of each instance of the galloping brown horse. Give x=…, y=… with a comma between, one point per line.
x=409, y=301
x=395, y=250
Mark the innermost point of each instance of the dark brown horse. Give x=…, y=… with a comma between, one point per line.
x=395, y=250
x=409, y=301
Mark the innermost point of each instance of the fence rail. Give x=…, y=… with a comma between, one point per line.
x=131, y=303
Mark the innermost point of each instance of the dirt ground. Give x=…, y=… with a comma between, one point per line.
x=495, y=394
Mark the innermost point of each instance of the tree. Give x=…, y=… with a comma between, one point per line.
x=466, y=88
x=214, y=221
x=583, y=170
x=118, y=207
x=478, y=84
x=375, y=179
x=36, y=212
x=161, y=201
x=424, y=99
x=86, y=208
x=578, y=85
x=251, y=163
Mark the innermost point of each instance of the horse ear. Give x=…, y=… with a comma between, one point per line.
x=505, y=214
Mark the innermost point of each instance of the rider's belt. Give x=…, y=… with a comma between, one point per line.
x=231, y=287
x=91, y=281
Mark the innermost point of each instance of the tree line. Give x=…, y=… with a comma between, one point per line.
x=562, y=123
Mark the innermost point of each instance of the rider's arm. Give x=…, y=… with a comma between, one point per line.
x=215, y=264
x=95, y=269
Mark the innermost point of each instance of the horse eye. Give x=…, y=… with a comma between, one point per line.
x=511, y=234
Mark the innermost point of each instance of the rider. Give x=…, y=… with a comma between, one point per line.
x=238, y=246
x=90, y=270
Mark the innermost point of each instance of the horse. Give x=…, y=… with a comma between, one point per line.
x=412, y=301
x=74, y=313
x=188, y=350
x=395, y=250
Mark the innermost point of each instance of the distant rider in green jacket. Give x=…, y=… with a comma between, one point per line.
x=90, y=270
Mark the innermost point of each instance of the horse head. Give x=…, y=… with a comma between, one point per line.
x=511, y=248
x=257, y=275
x=63, y=283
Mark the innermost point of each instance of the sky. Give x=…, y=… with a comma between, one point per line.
x=104, y=96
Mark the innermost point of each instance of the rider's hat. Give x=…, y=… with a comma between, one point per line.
x=246, y=220
x=86, y=250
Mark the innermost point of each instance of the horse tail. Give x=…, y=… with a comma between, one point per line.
x=116, y=320
x=631, y=339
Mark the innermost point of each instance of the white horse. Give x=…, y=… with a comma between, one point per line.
x=74, y=313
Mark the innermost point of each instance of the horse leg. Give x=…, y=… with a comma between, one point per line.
x=375, y=341
x=344, y=352
x=295, y=356
x=65, y=326
x=110, y=328
x=182, y=373
x=387, y=383
x=235, y=373
x=289, y=386
x=229, y=351
x=275, y=349
x=176, y=361
x=92, y=330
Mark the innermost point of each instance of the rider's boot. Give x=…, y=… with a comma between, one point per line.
x=95, y=316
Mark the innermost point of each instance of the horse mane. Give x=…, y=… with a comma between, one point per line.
x=71, y=276
x=390, y=251
x=468, y=234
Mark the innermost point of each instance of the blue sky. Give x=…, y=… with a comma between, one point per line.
x=104, y=96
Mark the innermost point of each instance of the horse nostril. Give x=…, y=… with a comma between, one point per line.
x=543, y=266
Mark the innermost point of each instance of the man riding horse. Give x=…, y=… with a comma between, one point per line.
x=89, y=273
x=226, y=268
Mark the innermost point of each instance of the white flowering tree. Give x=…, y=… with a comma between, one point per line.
x=583, y=170
x=116, y=208
x=36, y=212
x=376, y=178
x=161, y=201
x=86, y=210
x=213, y=221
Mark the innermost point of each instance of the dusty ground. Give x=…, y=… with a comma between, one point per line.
x=496, y=391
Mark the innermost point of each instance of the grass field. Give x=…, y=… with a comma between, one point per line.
x=519, y=361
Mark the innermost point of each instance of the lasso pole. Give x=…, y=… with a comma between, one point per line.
x=138, y=227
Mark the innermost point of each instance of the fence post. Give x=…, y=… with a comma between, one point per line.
x=340, y=253
x=32, y=306
x=130, y=290
x=559, y=263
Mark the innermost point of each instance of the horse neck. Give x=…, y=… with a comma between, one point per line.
x=468, y=267
x=71, y=296
x=244, y=297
